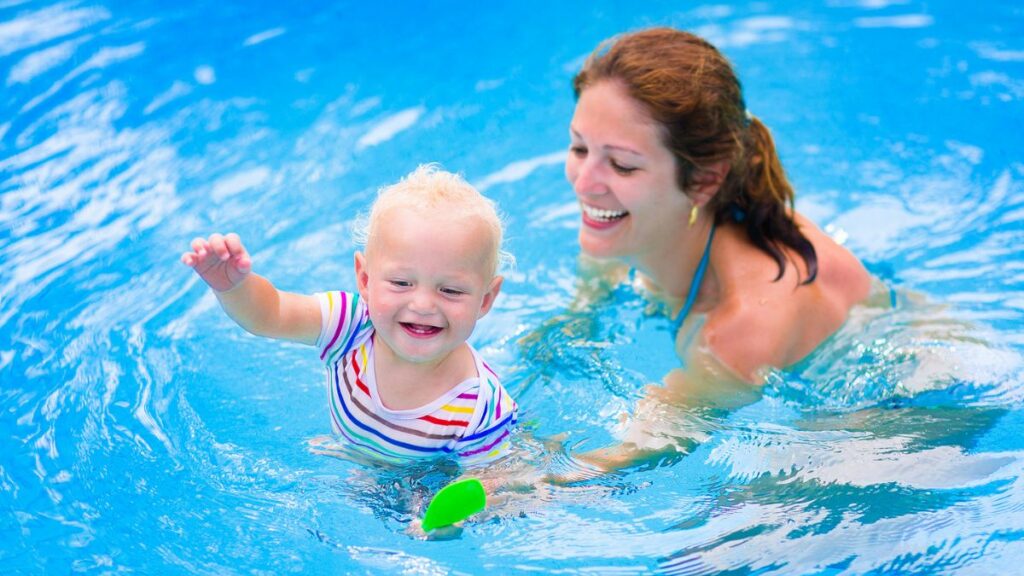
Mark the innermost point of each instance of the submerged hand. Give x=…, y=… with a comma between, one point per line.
x=221, y=261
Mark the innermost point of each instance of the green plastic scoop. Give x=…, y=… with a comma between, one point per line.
x=454, y=503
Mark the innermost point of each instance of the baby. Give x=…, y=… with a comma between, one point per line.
x=403, y=382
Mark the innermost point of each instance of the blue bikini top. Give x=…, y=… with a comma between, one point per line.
x=698, y=277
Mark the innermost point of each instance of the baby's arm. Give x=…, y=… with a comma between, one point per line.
x=250, y=299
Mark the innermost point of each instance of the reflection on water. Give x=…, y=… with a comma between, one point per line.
x=141, y=430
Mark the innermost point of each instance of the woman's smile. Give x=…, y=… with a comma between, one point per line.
x=601, y=218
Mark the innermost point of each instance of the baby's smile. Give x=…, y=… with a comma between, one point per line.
x=420, y=330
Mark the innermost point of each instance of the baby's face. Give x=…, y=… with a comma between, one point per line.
x=427, y=279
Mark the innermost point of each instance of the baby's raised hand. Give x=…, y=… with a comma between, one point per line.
x=221, y=261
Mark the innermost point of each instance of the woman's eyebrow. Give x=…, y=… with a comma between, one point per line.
x=610, y=146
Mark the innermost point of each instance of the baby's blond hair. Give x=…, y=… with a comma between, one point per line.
x=429, y=187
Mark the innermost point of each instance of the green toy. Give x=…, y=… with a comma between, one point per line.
x=454, y=503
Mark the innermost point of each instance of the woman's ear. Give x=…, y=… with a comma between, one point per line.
x=707, y=181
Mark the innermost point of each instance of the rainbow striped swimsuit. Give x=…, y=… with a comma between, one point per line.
x=472, y=421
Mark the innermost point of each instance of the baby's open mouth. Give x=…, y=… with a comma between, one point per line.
x=420, y=329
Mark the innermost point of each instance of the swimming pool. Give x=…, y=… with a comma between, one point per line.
x=141, y=431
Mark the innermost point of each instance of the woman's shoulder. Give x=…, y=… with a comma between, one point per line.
x=749, y=268
x=841, y=274
x=761, y=321
x=760, y=324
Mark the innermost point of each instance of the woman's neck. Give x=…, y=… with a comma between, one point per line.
x=669, y=272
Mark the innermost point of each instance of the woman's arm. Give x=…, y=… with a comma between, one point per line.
x=672, y=417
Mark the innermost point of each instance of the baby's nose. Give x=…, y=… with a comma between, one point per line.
x=422, y=302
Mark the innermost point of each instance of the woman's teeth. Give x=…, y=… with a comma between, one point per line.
x=603, y=215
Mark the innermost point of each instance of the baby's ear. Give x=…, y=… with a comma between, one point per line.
x=490, y=295
x=362, y=277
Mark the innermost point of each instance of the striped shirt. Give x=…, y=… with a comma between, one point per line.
x=472, y=420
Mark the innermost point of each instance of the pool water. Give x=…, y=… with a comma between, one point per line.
x=142, y=431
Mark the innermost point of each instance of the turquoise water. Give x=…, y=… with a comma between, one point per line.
x=141, y=431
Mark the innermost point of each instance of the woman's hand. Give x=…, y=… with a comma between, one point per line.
x=221, y=261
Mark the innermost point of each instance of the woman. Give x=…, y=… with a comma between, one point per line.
x=677, y=180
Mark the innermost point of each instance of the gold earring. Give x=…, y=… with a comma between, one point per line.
x=693, y=215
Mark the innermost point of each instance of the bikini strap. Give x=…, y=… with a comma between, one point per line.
x=698, y=277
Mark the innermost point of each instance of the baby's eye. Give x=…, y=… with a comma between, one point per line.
x=452, y=292
x=621, y=169
x=400, y=283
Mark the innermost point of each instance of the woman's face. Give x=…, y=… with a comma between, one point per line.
x=624, y=177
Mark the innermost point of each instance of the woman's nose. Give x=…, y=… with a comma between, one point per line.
x=586, y=178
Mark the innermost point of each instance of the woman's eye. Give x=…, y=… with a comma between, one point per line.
x=624, y=170
x=578, y=150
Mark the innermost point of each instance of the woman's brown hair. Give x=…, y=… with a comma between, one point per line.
x=690, y=89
